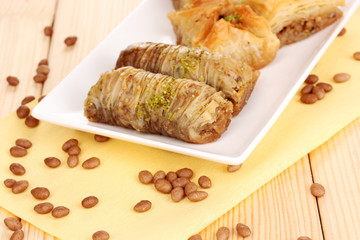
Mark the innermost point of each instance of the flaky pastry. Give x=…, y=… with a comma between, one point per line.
x=154, y=103
x=235, y=31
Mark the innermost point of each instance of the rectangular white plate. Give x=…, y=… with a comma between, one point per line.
x=277, y=84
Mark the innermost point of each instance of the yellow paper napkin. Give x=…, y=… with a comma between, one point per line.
x=300, y=129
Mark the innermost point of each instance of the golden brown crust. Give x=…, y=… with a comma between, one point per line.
x=193, y=25
x=156, y=103
x=244, y=35
x=235, y=79
x=248, y=39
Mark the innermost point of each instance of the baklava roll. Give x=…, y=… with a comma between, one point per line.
x=235, y=79
x=154, y=103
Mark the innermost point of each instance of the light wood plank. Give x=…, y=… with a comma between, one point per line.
x=5, y=233
x=22, y=46
x=336, y=165
x=281, y=209
x=90, y=21
x=33, y=233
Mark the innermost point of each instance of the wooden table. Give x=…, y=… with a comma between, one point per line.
x=281, y=209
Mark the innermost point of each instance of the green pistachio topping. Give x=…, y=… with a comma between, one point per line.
x=188, y=64
x=232, y=17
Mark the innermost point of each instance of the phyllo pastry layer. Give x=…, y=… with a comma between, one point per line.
x=154, y=103
x=234, y=78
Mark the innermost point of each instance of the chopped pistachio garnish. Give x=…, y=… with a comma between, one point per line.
x=188, y=65
x=162, y=100
x=232, y=17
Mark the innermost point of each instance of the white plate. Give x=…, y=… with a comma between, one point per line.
x=277, y=84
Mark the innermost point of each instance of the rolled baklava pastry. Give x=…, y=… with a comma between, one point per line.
x=154, y=103
x=294, y=20
x=235, y=79
x=234, y=31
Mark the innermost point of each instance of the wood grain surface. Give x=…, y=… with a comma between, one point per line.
x=22, y=46
x=282, y=209
x=336, y=165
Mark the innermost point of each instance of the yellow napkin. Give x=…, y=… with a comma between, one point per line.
x=300, y=129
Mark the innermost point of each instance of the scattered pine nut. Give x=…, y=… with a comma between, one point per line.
x=326, y=86
x=319, y=92
x=41, y=98
x=9, y=183
x=177, y=194
x=204, y=182
x=17, y=151
x=52, y=162
x=23, y=142
x=309, y=98
x=197, y=196
x=43, y=208
x=341, y=77
x=342, y=32
x=171, y=176
x=100, y=138
x=27, y=99
x=307, y=89
x=72, y=161
x=20, y=186
x=185, y=172
x=91, y=163
x=31, y=122
x=60, y=212
x=303, y=238
x=145, y=177
x=48, y=31
x=43, y=62
x=69, y=143
x=89, y=202
x=17, y=169
x=43, y=69
x=70, y=41
x=243, y=230
x=142, y=206
x=223, y=233
x=195, y=237
x=163, y=186
x=12, y=81
x=311, y=79
x=23, y=111
x=17, y=235
x=40, y=193
x=101, y=235
x=158, y=175
x=12, y=223
x=233, y=168
x=357, y=56
x=40, y=78
x=317, y=190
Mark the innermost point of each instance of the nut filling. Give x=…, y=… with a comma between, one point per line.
x=303, y=28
